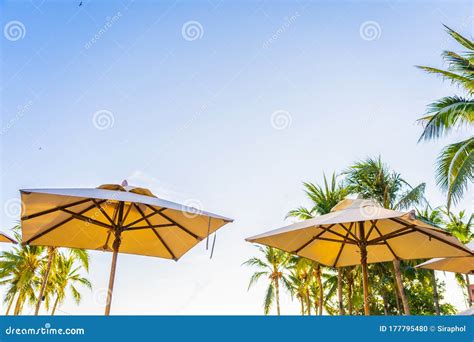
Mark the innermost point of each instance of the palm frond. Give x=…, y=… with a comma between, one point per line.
x=255, y=277
x=446, y=114
x=269, y=297
x=301, y=213
x=413, y=196
x=453, y=77
x=458, y=63
x=467, y=43
x=455, y=167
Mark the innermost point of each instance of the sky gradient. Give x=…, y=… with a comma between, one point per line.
x=230, y=105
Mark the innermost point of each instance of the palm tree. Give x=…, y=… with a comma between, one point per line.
x=66, y=275
x=433, y=217
x=462, y=229
x=317, y=271
x=371, y=179
x=25, y=271
x=300, y=279
x=81, y=255
x=298, y=288
x=323, y=199
x=350, y=274
x=19, y=271
x=272, y=266
x=455, y=163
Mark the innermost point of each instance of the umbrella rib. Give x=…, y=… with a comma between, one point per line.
x=86, y=219
x=374, y=222
x=107, y=239
x=349, y=230
x=385, y=240
x=296, y=251
x=342, y=236
x=434, y=236
x=128, y=211
x=164, y=244
x=336, y=240
x=340, y=250
x=176, y=223
x=157, y=234
x=116, y=210
x=52, y=210
x=389, y=235
x=102, y=210
x=57, y=225
x=8, y=238
x=401, y=234
x=152, y=226
x=143, y=218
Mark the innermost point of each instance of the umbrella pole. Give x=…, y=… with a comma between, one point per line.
x=112, y=273
x=363, y=262
x=51, y=251
x=365, y=279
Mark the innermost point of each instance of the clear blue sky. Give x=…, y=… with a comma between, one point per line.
x=192, y=118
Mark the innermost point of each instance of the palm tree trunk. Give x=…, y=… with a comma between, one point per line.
x=302, y=306
x=277, y=295
x=308, y=300
x=398, y=276
x=10, y=305
x=397, y=297
x=469, y=300
x=51, y=251
x=349, y=298
x=385, y=304
x=435, y=293
x=55, y=305
x=339, y=292
x=320, y=285
x=17, y=310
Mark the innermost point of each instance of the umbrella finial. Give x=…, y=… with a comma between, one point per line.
x=124, y=183
x=412, y=214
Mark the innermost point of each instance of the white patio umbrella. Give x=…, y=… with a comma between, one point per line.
x=115, y=218
x=362, y=232
x=463, y=265
x=5, y=238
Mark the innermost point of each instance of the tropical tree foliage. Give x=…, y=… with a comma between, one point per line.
x=22, y=270
x=455, y=163
x=316, y=287
x=271, y=265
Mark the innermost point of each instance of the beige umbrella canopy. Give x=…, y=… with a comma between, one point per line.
x=361, y=232
x=114, y=218
x=458, y=265
x=5, y=238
